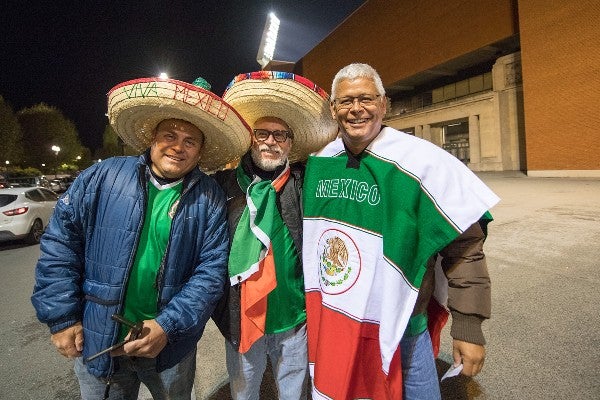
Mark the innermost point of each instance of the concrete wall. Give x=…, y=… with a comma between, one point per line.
x=560, y=46
x=495, y=126
x=483, y=135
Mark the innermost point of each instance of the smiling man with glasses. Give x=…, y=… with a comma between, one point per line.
x=359, y=110
x=271, y=143
x=263, y=315
x=381, y=208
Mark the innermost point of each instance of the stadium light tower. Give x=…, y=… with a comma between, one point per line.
x=266, y=50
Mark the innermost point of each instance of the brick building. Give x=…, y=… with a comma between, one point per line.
x=501, y=84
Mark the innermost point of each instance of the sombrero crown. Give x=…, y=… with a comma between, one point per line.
x=136, y=107
x=296, y=100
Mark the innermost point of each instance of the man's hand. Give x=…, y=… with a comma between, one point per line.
x=471, y=355
x=69, y=341
x=150, y=342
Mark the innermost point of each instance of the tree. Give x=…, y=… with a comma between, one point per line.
x=85, y=160
x=112, y=145
x=45, y=126
x=11, y=148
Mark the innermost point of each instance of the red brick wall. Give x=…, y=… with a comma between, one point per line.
x=402, y=37
x=560, y=52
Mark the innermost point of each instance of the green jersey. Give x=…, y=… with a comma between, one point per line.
x=141, y=297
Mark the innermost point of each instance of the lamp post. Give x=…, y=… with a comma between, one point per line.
x=77, y=162
x=55, y=149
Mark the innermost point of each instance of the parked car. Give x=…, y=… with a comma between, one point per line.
x=25, y=213
x=57, y=185
x=67, y=181
x=29, y=181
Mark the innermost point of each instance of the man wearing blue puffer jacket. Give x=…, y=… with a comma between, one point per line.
x=142, y=239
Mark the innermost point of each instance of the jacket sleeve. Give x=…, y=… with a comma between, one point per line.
x=469, y=287
x=188, y=311
x=57, y=295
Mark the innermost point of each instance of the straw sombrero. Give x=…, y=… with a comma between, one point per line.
x=136, y=107
x=296, y=100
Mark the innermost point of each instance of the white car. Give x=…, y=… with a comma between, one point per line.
x=25, y=213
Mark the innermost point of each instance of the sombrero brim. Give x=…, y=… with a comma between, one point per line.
x=136, y=107
x=296, y=100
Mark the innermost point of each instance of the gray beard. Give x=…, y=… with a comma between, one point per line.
x=265, y=164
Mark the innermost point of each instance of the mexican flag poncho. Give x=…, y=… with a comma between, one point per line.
x=368, y=233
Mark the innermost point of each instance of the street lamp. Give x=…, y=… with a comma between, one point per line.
x=55, y=149
x=77, y=161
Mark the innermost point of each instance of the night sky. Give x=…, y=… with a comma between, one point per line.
x=68, y=54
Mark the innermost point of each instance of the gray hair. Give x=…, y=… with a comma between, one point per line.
x=357, y=70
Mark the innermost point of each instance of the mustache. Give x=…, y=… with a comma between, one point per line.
x=265, y=147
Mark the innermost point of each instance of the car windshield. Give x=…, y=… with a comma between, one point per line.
x=6, y=199
x=48, y=195
x=34, y=195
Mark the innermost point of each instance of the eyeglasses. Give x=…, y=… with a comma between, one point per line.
x=280, y=136
x=364, y=100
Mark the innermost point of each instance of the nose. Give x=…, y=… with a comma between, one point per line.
x=178, y=145
x=356, y=106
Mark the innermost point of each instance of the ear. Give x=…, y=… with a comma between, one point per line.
x=332, y=109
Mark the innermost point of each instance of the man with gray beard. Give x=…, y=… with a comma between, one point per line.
x=266, y=162
x=263, y=313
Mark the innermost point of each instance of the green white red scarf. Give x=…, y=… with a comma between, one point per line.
x=251, y=262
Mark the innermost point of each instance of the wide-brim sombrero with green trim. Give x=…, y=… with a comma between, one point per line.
x=299, y=102
x=136, y=107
